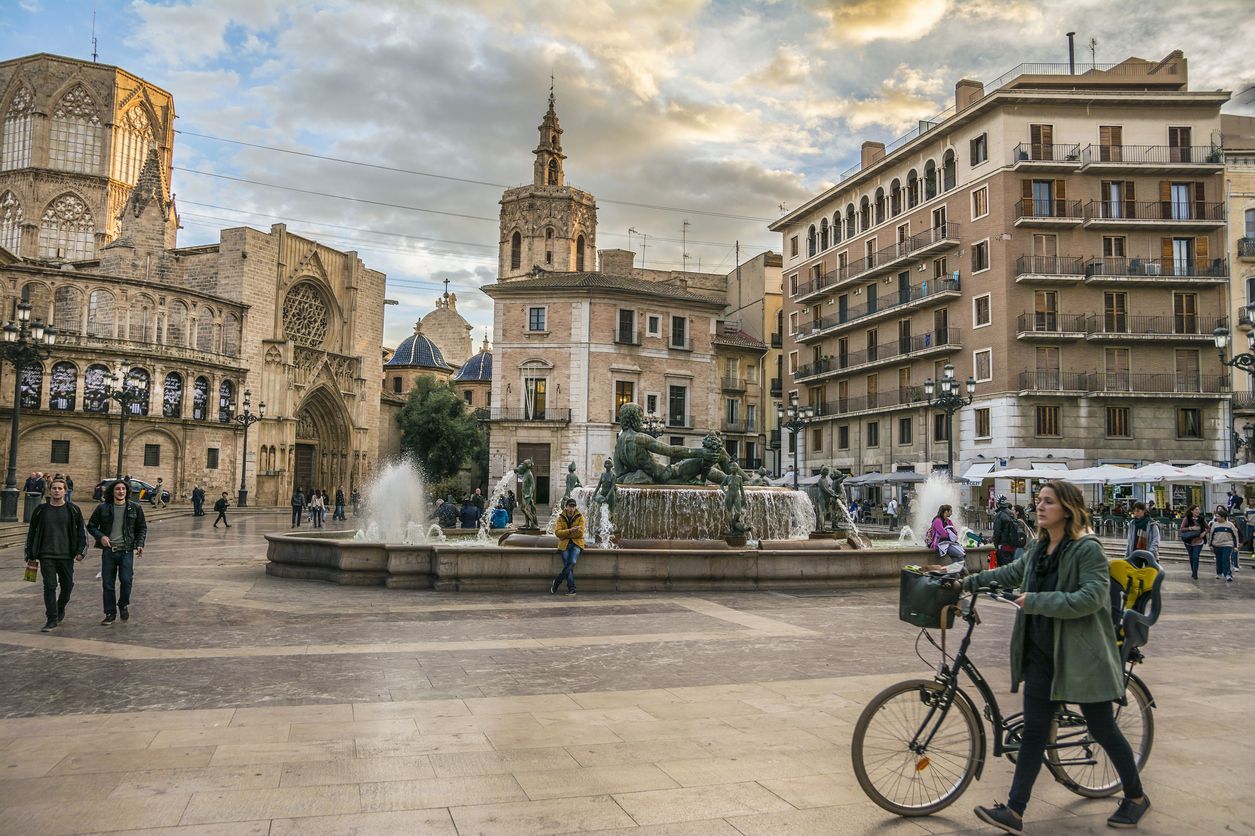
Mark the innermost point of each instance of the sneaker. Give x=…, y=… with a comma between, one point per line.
x=60, y=616
x=1229, y=579
x=1129, y=813
x=107, y=621
x=49, y=627
x=570, y=592
x=1002, y=817
x=126, y=613
x=553, y=588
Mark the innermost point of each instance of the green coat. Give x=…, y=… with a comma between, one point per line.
x=1087, y=664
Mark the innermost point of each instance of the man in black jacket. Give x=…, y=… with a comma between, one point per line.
x=221, y=507
x=120, y=530
x=54, y=540
x=198, y=501
x=1006, y=533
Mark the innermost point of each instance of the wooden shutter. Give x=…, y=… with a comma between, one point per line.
x=1200, y=252
x=971, y=151
x=1060, y=194
x=1165, y=250
x=1026, y=195
x=1128, y=191
x=1165, y=200
x=1200, y=200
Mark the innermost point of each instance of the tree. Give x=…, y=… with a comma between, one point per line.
x=438, y=431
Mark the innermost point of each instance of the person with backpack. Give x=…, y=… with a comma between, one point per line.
x=1193, y=536
x=1143, y=532
x=1008, y=535
x=298, y=506
x=119, y=528
x=1223, y=536
x=221, y=507
x=944, y=537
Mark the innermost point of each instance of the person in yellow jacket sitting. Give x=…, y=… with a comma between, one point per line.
x=570, y=531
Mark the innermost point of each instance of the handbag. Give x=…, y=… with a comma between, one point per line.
x=923, y=598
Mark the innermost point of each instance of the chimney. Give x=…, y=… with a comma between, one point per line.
x=1071, y=54
x=967, y=92
x=871, y=152
x=617, y=262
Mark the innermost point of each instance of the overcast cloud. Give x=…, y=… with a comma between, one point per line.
x=714, y=107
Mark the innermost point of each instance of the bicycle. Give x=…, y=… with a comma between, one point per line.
x=919, y=744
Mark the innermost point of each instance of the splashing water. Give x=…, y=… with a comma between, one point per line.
x=396, y=505
x=505, y=483
x=906, y=537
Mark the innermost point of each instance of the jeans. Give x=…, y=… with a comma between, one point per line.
x=1039, y=711
x=339, y=512
x=115, y=565
x=569, y=556
x=1224, y=565
x=56, y=570
x=1194, y=552
x=318, y=518
x=296, y=516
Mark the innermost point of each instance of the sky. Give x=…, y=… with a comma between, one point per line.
x=717, y=114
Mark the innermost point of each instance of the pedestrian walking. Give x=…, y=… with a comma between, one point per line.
x=198, y=501
x=56, y=539
x=158, y=491
x=1193, y=536
x=318, y=508
x=1143, y=532
x=570, y=531
x=470, y=513
x=119, y=529
x=1063, y=649
x=298, y=507
x=1030, y=536
x=1008, y=535
x=1223, y=536
x=339, y=512
x=221, y=507
x=892, y=510
x=69, y=488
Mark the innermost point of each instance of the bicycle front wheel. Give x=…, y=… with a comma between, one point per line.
x=1080, y=764
x=912, y=756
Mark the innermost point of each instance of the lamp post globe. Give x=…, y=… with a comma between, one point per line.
x=24, y=343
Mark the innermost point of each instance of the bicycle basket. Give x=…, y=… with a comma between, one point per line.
x=922, y=598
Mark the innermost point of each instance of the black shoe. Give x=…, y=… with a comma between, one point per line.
x=108, y=620
x=60, y=616
x=1001, y=817
x=126, y=613
x=553, y=588
x=1129, y=813
x=570, y=592
x=49, y=627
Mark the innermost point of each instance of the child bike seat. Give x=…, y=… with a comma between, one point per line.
x=1136, y=586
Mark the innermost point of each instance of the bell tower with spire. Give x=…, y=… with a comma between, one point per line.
x=547, y=225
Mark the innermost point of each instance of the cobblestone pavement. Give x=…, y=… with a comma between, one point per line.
x=236, y=703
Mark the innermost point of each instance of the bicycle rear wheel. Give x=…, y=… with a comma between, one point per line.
x=1080, y=764
x=923, y=780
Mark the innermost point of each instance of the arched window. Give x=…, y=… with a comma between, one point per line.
x=133, y=138
x=579, y=253
x=912, y=189
x=37, y=295
x=66, y=230
x=63, y=388
x=549, y=245
x=176, y=323
x=880, y=205
x=851, y=225
x=553, y=173
x=200, y=399
x=930, y=180
x=32, y=384
x=141, y=317
x=949, y=171
x=231, y=335
x=67, y=310
x=76, y=136
x=823, y=234
x=810, y=241
x=895, y=197
x=306, y=316
x=18, y=131
x=96, y=388
x=836, y=227
x=864, y=213
x=172, y=396
x=226, y=401
x=140, y=379
x=101, y=312
x=10, y=223
x=516, y=250
x=205, y=329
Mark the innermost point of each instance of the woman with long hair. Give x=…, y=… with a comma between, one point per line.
x=1063, y=649
x=1193, y=536
x=1223, y=536
x=944, y=537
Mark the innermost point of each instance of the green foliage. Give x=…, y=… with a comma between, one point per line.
x=438, y=430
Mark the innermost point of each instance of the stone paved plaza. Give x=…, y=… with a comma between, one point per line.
x=235, y=703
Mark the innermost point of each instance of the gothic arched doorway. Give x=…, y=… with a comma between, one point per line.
x=322, y=443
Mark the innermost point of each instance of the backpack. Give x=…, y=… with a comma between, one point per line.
x=1021, y=536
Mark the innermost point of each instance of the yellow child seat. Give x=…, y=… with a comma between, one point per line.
x=1136, y=586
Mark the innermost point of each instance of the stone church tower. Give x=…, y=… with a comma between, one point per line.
x=548, y=224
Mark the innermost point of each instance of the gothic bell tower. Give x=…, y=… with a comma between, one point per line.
x=548, y=225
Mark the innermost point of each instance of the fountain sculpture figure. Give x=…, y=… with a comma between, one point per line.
x=733, y=488
x=572, y=481
x=760, y=479
x=527, y=499
x=634, y=451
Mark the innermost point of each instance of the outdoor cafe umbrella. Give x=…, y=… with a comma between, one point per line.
x=1208, y=473
x=1159, y=472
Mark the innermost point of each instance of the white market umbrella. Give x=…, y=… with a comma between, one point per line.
x=1100, y=475
x=1159, y=472
x=1242, y=473
x=1209, y=473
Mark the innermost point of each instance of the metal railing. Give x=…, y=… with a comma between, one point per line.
x=1161, y=383
x=627, y=336
x=733, y=426
x=1165, y=325
x=679, y=421
x=1246, y=248
x=882, y=258
x=882, y=304
x=777, y=340
x=547, y=413
x=1050, y=322
x=1032, y=207
x=733, y=384
x=1052, y=381
x=1050, y=265
x=1153, y=154
x=1046, y=152
x=885, y=351
x=1181, y=267
x=1154, y=210
x=880, y=400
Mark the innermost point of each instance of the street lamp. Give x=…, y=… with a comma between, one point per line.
x=1245, y=440
x=949, y=400
x=25, y=342
x=652, y=425
x=246, y=419
x=1245, y=360
x=794, y=418
x=126, y=392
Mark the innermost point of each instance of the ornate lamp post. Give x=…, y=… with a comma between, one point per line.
x=246, y=419
x=794, y=418
x=25, y=342
x=1245, y=440
x=652, y=425
x=949, y=400
x=127, y=393
x=1245, y=360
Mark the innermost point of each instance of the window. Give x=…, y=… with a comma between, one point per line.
x=793, y=285
x=1048, y=420
x=1189, y=423
x=152, y=455
x=10, y=223
x=792, y=362
x=651, y=404
x=733, y=415
x=654, y=324
x=226, y=401
x=1116, y=362
x=817, y=440
x=60, y=452
x=536, y=319
x=1115, y=312
x=624, y=393
x=677, y=406
x=939, y=268
x=172, y=396
x=17, y=132
x=548, y=245
x=873, y=434
x=980, y=256
x=679, y=332
x=580, y=247
x=32, y=385
x=949, y=171
x=200, y=399
x=75, y=139
x=468, y=395
x=211, y=458
x=63, y=388
x=1185, y=313
x=67, y=231
x=978, y=149
x=535, y=393
x=793, y=323
x=1188, y=370
x=983, y=426
x=1110, y=144
x=133, y=139
x=1041, y=142
x=941, y=427
x=843, y=437
x=751, y=417
x=1179, y=145
x=810, y=241
x=823, y=234
x=982, y=311
x=676, y=441
x=627, y=327
x=516, y=250
x=1117, y=198
x=396, y=385
x=980, y=202
x=793, y=247
x=983, y=364
x=1046, y=310
x=1118, y=422
x=904, y=430
x=1113, y=246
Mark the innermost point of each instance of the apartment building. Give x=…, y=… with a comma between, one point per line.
x=1058, y=237
x=1239, y=150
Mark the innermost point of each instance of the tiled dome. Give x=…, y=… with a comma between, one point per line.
x=478, y=367
x=419, y=351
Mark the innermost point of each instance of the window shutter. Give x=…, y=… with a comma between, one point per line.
x=1200, y=251
x=1061, y=197
x=1026, y=193
x=1128, y=191
x=1200, y=200
x=1165, y=199
x=1165, y=250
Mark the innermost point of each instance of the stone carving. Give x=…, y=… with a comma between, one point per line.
x=607, y=492
x=21, y=101
x=306, y=319
x=527, y=494
x=273, y=355
x=572, y=481
x=760, y=479
x=833, y=502
x=733, y=487
x=305, y=426
x=634, y=462
x=79, y=104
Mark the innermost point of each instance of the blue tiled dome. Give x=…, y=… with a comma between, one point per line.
x=418, y=351
x=478, y=367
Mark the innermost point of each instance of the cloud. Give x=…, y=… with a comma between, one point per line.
x=863, y=21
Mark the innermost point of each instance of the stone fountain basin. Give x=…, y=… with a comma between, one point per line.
x=474, y=567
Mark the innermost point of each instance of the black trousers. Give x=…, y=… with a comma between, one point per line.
x=296, y=516
x=221, y=518
x=198, y=508
x=56, y=571
x=1039, y=711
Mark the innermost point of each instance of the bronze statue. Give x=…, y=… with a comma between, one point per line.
x=634, y=462
x=607, y=492
x=733, y=488
x=527, y=502
x=760, y=479
x=572, y=481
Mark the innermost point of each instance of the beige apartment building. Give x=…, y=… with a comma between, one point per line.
x=1058, y=237
x=1239, y=149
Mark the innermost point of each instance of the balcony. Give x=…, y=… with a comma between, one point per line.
x=888, y=304
x=627, y=336
x=1049, y=269
x=946, y=339
x=541, y=415
x=1156, y=271
x=775, y=387
x=1047, y=212
x=773, y=441
x=1243, y=402
x=1052, y=383
x=777, y=340
x=1050, y=326
x=1157, y=385
x=679, y=422
x=734, y=426
x=681, y=344
x=1097, y=159
x=1246, y=249
x=877, y=402
x=140, y=348
x=917, y=246
x=1169, y=214
x=733, y=384
x=1169, y=328
x=1038, y=156
x=751, y=465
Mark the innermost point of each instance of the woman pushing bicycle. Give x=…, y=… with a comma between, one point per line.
x=1063, y=649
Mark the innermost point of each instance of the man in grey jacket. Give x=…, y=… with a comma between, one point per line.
x=1143, y=532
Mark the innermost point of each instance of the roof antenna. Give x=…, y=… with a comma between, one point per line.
x=1093, y=52
x=93, y=36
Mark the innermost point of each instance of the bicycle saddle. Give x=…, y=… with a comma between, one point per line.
x=1136, y=601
